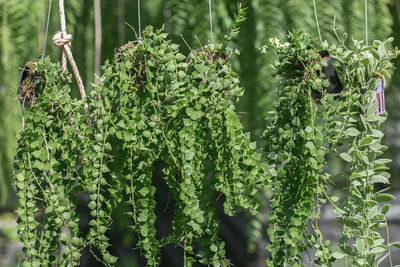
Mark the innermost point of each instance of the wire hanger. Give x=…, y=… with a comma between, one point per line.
x=211, y=23
x=366, y=22
x=47, y=31
x=316, y=19
x=139, y=23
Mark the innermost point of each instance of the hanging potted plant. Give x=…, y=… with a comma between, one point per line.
x=166, y=109
x=45, y=166
x=295, y=138
x=161, y=108
x=301, y=130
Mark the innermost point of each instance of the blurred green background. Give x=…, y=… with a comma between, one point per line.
x=22, y=31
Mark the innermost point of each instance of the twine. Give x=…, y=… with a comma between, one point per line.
x=63, y=40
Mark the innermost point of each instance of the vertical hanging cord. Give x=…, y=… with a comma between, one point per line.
x=63, y=40
x=366, y=22
x=211, y=24
x=47, y=31
x=64, y=33
x=98, y=39
x=316, y=19
x=140, y=23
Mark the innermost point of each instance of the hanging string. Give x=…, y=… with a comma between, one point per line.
x=63, y=40
x=47, y=31
x=316, y=19
x=211, y=24
x=366, y=22
x=140, y=22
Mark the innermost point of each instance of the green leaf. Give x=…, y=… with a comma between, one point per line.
x=384, y=197
x=180, y=57
x=377, y=250
x=338, y=255
x=214, y=248
x=92, y=205
x=334, y=198
x=144, y=231
x=325, y=83
x=372, y=212
x=352, y=131
x=395, y=244
x=97, y=148
x=189, y=155
x=324, y=63
x=360, y=245
x=366, y=141
x=144, y=191
x=379, y=179
x=382, y=161
x=371, y=110
x=385, y=208
x=194, y=114
x=346, y=156
x=253, y=145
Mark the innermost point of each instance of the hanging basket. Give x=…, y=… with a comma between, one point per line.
x=127, y=46
x=335, y=86
x=28, y=82
x=331, y=74
x=209, y=54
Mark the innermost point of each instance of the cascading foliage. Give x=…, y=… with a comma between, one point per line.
x=153, y=104
x=22, y=29
x=295, y=145
x=156, y=105
x=45, y=167
x=176, y=109
x=307, y=121
x=362, y=212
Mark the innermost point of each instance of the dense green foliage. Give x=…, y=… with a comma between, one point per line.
x=154, y=104
x=294, y=143
x=168, y=109
x=22, y=25
x=361, y=214
x=22, y=28
x=46, y=172
x=306, y=123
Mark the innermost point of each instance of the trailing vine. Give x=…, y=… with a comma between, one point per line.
x=45, y=167
x=312, y=116
x=364, y=69
x=295, y=145
x=179, y=110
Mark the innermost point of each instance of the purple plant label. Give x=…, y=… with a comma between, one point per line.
x=380, y=98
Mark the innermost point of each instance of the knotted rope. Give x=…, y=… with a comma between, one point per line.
x=59, y=40
x=63, y=40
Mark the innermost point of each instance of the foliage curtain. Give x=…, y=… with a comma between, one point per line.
x=22, y=26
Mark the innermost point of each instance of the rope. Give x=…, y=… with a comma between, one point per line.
x=316, y=19
x=211, y=24
x=139, y=22
x=366, y=22
x=47, y=31
x=63, y=40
